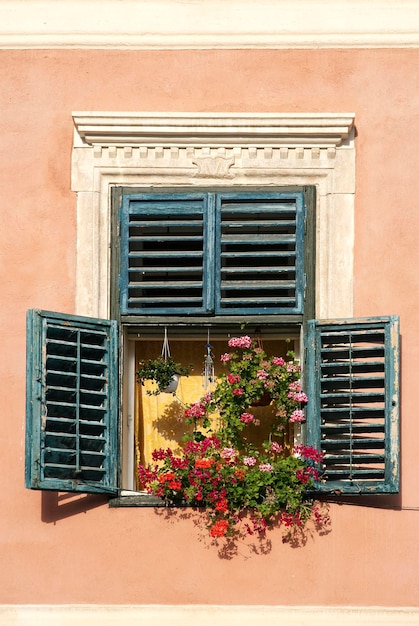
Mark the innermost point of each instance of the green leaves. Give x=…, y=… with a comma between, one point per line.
x=161, y=370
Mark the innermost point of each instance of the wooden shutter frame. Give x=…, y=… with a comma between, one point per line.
x=271, y=197
x=127, y=209
x=390, y=326
x=37, y=372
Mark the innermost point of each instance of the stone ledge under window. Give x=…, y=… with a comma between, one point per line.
x=143, y=500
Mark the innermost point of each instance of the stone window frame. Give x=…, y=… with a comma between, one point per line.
x=194, y=150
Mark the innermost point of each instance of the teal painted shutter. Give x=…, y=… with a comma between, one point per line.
x=166, y=254
x=72, y=403
x=212, y=253
x=260, y=253
x=353, y=409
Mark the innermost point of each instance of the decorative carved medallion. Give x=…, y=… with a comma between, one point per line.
x=214, y=167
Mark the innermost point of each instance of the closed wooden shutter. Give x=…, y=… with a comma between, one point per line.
x=72, y=403
x=260, y=254
x=212, y=253
x=164, y=268
x=353, y=409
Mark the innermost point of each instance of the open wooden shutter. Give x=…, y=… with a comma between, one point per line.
x=165, y=254
x=260, y=255
x=72, y=403
x=353, y=410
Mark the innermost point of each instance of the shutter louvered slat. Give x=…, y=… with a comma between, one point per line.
x=346, y=443
x=362, y=458
x=350, y=396
x=354, y=403
x=255, y=300
x=247, y=203
x=265, y=284
x=163, y=254
x=356, y=383
x=342, y=426
x=257, y=238
x=263, y=271
x=166, y=238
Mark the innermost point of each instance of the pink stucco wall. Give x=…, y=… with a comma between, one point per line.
x=74, y=549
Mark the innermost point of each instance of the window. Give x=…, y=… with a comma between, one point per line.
x=351, y=367
x=205, y=260
x=225, y=257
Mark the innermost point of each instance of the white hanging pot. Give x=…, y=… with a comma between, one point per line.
x=172, y=386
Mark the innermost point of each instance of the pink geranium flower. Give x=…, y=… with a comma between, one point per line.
x=228, y=453
x=298, y=396
x=250, y=461
x=246, y=418
x=278, y=360
x=266, y=467
x=240, y=342
x=295, y=385
x=262, y=375
x=297, y=416
x=276, y=448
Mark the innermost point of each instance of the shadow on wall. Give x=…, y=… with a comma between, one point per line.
x=56, y=506
x=379, y=501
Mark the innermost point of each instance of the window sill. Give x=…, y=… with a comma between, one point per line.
x=142, y=499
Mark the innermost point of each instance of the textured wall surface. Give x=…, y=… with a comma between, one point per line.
x=65, y=549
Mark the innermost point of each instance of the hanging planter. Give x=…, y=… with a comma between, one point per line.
x=164, y=371
x=172, y=386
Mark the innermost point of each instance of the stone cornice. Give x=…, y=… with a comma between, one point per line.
x=190, y=615
x=193, y=24
x=212, y=129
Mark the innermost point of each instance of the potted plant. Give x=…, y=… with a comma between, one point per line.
x=240, y=486
x=164, y=371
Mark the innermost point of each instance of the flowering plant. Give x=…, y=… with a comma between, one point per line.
x=243, y=486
